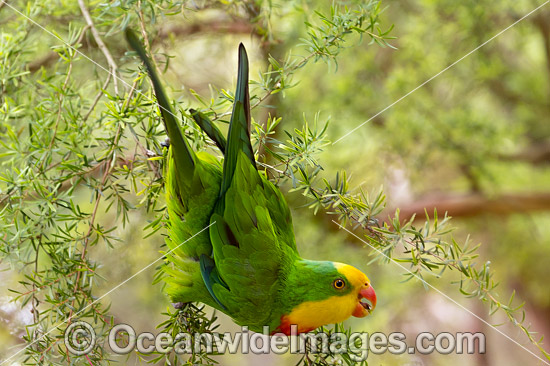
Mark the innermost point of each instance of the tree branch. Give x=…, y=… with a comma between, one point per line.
x=92, y=172
x=211, y=27
x=537, y=154
x=469, y=205
x=47, y=60
x=541, y=21
x=112, y=64
x=208, y=27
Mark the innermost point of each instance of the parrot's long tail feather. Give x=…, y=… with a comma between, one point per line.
x=238, y=140
x=184, y=156
x=238, y=137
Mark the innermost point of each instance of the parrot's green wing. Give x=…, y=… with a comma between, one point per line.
x=251, y=235
x=192, y=182
x=239, y=141
x=239, y=126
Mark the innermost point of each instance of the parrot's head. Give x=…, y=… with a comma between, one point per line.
x=321, y=293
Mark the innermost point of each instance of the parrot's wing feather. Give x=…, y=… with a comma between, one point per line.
x=210, y=129
x=238, y=141
x=252, y=237
x=238, y=135
x=253, y=244
x=210, y=275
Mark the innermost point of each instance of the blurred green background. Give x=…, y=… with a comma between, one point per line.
x=475, y=142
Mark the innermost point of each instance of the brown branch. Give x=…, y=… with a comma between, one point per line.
x=227, y=27
x=92, y=172
x=499, y=88
x=213, y=26
x=469, y=205
x=108, y=169
x=97, y=97
x=536, y=154
x=110, y=60
x=60, y=98
x=34, y=300
x=46, y=61
x=542, y=23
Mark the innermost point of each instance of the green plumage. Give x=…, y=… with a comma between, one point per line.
x=246, y=263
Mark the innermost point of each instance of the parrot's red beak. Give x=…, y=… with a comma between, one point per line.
x=367, y=301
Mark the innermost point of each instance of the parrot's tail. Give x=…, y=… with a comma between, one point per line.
x=184, y=156
x=238, y=136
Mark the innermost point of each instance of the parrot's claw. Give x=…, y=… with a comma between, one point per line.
x=166, y=143
x=179, y=305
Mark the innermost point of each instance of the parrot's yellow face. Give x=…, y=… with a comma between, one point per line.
x=365, y=297
x=349, y=293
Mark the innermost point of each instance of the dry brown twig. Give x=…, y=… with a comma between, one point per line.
x=113, y=68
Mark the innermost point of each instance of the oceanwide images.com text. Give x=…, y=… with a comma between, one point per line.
x=81, y=339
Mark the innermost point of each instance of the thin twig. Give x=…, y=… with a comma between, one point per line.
x=113, y=68
x=60, y=104
x=97, y=97
x=63, y=90
x=151, y=164
x=144, y=35
x=108, y=168
x=34, y=300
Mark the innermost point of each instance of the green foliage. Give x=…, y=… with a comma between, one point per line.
x=426, y=250
x=81, y=154
x=190, y=320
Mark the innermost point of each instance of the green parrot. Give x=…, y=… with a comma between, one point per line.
x=231, y=241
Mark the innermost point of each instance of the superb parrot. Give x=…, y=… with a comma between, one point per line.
x=245, y=263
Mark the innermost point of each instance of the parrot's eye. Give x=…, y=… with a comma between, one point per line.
x=339, y=284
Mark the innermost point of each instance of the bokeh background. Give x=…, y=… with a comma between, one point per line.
x=475, y=142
